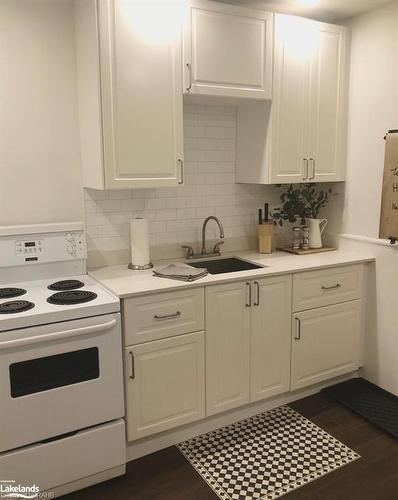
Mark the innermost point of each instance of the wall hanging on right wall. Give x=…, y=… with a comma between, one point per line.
x=389, y=200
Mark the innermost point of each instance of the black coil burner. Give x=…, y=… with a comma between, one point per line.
x=60, y=286
x=71, y=297
x=10, y=293
x=15, y=306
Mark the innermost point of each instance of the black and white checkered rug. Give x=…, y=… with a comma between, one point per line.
x=266, y=456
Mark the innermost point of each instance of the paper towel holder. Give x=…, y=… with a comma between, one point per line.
x=140, y=268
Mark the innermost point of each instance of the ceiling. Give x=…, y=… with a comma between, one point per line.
x=324, y=10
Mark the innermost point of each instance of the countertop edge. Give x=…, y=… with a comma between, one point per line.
x=224, y=278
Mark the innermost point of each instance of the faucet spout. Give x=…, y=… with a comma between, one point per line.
x=220, y=227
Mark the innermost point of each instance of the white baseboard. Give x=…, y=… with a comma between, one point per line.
x=163, y=440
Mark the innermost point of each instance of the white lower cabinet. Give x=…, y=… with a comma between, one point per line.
x=165, y=384
x=247, y=342
x=325, y=343
x=227, y=346
x=270, y=337
x=256, y=344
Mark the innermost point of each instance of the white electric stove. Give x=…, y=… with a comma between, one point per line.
x=61, y=375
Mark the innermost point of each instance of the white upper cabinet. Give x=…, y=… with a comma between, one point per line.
x=130, y=93
x=227, y=51
x=301, y=136
x=328, y=105
x=308, y=119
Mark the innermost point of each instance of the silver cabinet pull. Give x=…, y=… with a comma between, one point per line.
x=313, y=169
x=190, y=77
x=257, y=302
x=249, y=296
x=181, y=162
x=334, y=287
x=167, y=316
x=305, y=177
x=298, y=329
x=132, y=376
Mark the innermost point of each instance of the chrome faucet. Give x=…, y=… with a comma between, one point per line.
x=216, y=250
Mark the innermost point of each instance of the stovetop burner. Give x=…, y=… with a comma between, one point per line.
x=71, y=297
x=15, y=306
x=65, y=285
x=11, y=292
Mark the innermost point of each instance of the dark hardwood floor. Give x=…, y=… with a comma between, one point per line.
x=166, y=475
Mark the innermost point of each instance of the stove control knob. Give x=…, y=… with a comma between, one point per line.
x=71, y=248
x=70, y=237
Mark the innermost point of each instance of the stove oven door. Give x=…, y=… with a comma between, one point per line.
x=59, y=378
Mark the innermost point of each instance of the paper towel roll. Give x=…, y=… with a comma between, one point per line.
x=139, y=242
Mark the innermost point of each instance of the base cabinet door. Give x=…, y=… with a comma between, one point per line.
x=270, y=337
x=165, y=382
x=227, y=346
x=325, y=343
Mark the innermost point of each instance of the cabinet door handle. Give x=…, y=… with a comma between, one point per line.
x=190, y=77
x=298, y=329
x=313, y=169
x=167, y=316
x=305, y=176
x=249, y=296
x=334, y=287
x=132, y=376
x=181, y=162
x=257, y=302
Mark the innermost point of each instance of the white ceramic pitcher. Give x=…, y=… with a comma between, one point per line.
x=316, y=227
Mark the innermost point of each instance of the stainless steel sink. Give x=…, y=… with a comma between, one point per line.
x=227, y=265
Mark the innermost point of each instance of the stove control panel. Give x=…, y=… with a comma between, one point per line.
x=29, y=248
x=55, y=246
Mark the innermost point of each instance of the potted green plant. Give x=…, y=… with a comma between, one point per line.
x=302, y=203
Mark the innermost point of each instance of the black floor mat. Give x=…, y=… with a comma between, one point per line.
x=371, y=402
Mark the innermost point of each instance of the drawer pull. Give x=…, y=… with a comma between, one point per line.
x=167, y=316
x=257, y=302
x=335, y=287
x=249, y=298
x=298, y=335
x=132, y=376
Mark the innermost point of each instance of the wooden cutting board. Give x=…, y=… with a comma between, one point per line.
x=307, y=252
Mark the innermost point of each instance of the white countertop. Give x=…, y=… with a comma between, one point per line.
x=126, y=283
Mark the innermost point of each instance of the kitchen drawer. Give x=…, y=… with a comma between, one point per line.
x=162, y=315
x=67, y=459
x=325, y=287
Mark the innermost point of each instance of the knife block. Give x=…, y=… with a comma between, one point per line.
x=265, y=234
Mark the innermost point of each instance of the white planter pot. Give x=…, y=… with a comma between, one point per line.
x=316, y=227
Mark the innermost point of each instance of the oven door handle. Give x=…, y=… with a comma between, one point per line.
x=86, y=330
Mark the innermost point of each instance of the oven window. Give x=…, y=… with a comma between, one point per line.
x=50, y=372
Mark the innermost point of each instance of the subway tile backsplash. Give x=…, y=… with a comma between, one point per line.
x=175, y=215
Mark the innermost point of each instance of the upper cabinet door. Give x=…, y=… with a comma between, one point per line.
x=130, y=93
x=328, y=118
x=141, y=94
x=308, y=119
x=228, y=51
x=290, y=110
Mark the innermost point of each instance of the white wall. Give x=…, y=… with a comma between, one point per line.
x=39, y=151
x=373, y=109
